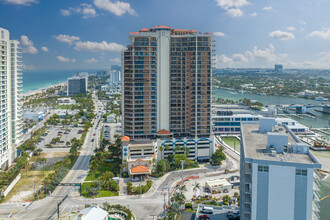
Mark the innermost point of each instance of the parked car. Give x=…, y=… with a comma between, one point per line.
x=204, y=217
x=208, y=210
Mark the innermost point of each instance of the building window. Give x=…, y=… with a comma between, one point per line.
x=301, y=172
x=263, y=169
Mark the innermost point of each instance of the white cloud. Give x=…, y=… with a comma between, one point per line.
x=324, y=34
x=88, y=11
x=25, y=41
x=30, y=50
x=28, y=67
x=21, y=2
x=281, y=35
x=66, y=38
x=98, y=46
x=219, y=34
x=291, y=28
x=323, y=62
x=268, y=55
x=91, y=60
x=239, y=58
x=65, y=12
x=45, y=49
x=65, y=60
x=235, y=12
x=27, y=45
x=267, y=8
x=253, y=14
x=226, y=4
x=118, y=8
x=223, y=60
x=115, y=60
x=232, y=6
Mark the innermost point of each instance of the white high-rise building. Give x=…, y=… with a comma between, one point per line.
x=10, y=99
x=278, y=174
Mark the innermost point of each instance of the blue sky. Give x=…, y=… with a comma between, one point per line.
x=71, y=34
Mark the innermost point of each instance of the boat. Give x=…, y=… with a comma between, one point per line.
x=321, y=99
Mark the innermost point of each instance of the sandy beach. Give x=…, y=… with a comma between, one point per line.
x=43, y=89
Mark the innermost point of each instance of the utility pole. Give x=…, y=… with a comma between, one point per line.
x=182, y=172
x=164, y=205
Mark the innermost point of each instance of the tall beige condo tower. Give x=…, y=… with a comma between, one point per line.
x=10, y=98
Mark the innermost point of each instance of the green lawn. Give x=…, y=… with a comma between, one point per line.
x=64, y=106
x=103, y=193
x=113, y=167
x=233, y=142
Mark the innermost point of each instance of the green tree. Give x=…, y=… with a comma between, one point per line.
x=226, y=200
x=162, y=166
x=106, y=178
x=196, y=187
x=218, y=156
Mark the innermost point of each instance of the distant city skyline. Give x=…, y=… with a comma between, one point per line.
x=91, y=34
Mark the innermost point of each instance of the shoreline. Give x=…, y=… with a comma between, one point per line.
x=43, y=89
x=264, y=94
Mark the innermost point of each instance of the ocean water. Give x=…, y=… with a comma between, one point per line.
x=34, y=80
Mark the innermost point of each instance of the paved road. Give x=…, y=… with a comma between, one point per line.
x=151, y=203
x=45, y=208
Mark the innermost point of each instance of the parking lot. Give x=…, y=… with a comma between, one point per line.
x=219, y=213
x=67, y=133
x=110, y=129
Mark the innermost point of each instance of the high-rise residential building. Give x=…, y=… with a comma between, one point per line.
x=10, y=98
x=82, y=74
x=114, y=77
x=278, y=68
x=77, y=85
x=278, y=174
x=167, y=86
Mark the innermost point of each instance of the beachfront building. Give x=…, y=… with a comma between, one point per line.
x=77, y=85
x=277, y=173
x=167, y=85
x=10, y=98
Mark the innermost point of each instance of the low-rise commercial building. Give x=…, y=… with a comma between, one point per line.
x=139, y=156
x=92, y=213
x=220, y=185
x=277, y=173
x=66, y=101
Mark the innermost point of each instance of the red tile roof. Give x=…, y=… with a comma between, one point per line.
x=140, y=169
x=125, y=138
x=134, y=33
x=193, y=31
x=161, y=27
x=207, y=33
x=164, y=132
x=144, y=30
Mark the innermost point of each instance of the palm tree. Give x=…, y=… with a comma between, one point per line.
x=176, y=148
x=93, y=166
x=106, y=179
x=42, y=161
x=183, y=188
x=161, y=148
x=196, y=187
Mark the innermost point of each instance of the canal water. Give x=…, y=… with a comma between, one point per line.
x=321, y=121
